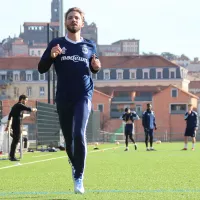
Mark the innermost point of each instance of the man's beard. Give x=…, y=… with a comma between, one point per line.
x=73, y=29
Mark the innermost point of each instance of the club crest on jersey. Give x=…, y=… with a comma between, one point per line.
x=85, y=49
x=63, y=50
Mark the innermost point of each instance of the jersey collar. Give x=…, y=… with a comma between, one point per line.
x=81, y=40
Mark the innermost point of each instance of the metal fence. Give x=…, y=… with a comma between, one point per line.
x=48, y=128
x=47, y=125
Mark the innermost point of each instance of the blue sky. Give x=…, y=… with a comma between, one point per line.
x=161, y=26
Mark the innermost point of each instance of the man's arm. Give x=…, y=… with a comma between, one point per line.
x=9, y=122
x=197, y=121
x=144, y=120
x=94, y=62
x=186, y=116
x=135, y=116
x=123, y=117
x=46, y=60
x=154, y=122
x=25, y=108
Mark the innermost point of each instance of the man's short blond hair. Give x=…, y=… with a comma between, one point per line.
x=76, y=9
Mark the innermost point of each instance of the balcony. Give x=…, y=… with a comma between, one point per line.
x=3, y=97
x=121, y=99
x=147, y=98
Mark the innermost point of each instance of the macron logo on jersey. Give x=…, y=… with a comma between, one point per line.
x=75, y=58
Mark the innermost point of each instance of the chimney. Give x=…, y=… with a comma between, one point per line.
x=196, y=60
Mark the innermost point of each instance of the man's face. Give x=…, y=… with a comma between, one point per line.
x=74, y=22
x=190, y=107
x=149, y=107
x=129, y=110
x=24, y=101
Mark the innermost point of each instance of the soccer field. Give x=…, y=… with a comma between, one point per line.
x=167, y=173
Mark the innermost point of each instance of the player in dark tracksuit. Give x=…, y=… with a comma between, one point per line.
x=16, y=114
x=128, y=117
x=74, y=59
x=192, y=122
x=149, y=124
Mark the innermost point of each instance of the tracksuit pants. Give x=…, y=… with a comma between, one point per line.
x=73, y=117
x=16, y=138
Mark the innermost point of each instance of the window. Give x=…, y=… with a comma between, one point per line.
x=32, y=53
x=178, y=108
x=29, y=77
x=172, y=74
x=42, y=77
x=106, y=74
x=16, y=92
x=159, y=75
x=16, y=77
x=174, y=92
x=119, y=75
x=146, y=75
x=132, y=74
x=3, y=91
x=41, y=91
x=100, y=107
x=29, y=91
x=94, y=76
x=39, y=53
x=2, y=77
x=138, y=110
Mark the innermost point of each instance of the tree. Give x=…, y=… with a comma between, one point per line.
x=169, y=56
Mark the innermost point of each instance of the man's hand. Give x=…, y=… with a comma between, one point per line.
x=189, y=112
x=34, y=109
x=6, y=129
x=96, y=64
x=55, y=51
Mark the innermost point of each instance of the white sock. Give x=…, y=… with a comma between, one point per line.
x=185, y=145
x=135, y=144
x=147, y=147
x=193, y=144
x=151, y=147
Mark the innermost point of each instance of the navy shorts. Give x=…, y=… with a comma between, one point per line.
x=190, y=132
x=148, y=132
x=129, y=129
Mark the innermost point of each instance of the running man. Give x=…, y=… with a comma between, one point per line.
x=74, y=59
x=128, y=117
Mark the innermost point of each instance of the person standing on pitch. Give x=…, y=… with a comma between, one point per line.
x=128, y=117
x=192, y=123
x=74, y=59
x=16, y=114
x=149, y=124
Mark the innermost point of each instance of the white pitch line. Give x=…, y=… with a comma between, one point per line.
x=41, y=155
x=17, y=165
x=103, y=149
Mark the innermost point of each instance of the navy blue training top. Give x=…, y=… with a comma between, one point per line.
x=73, y=68
x=192, y=119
